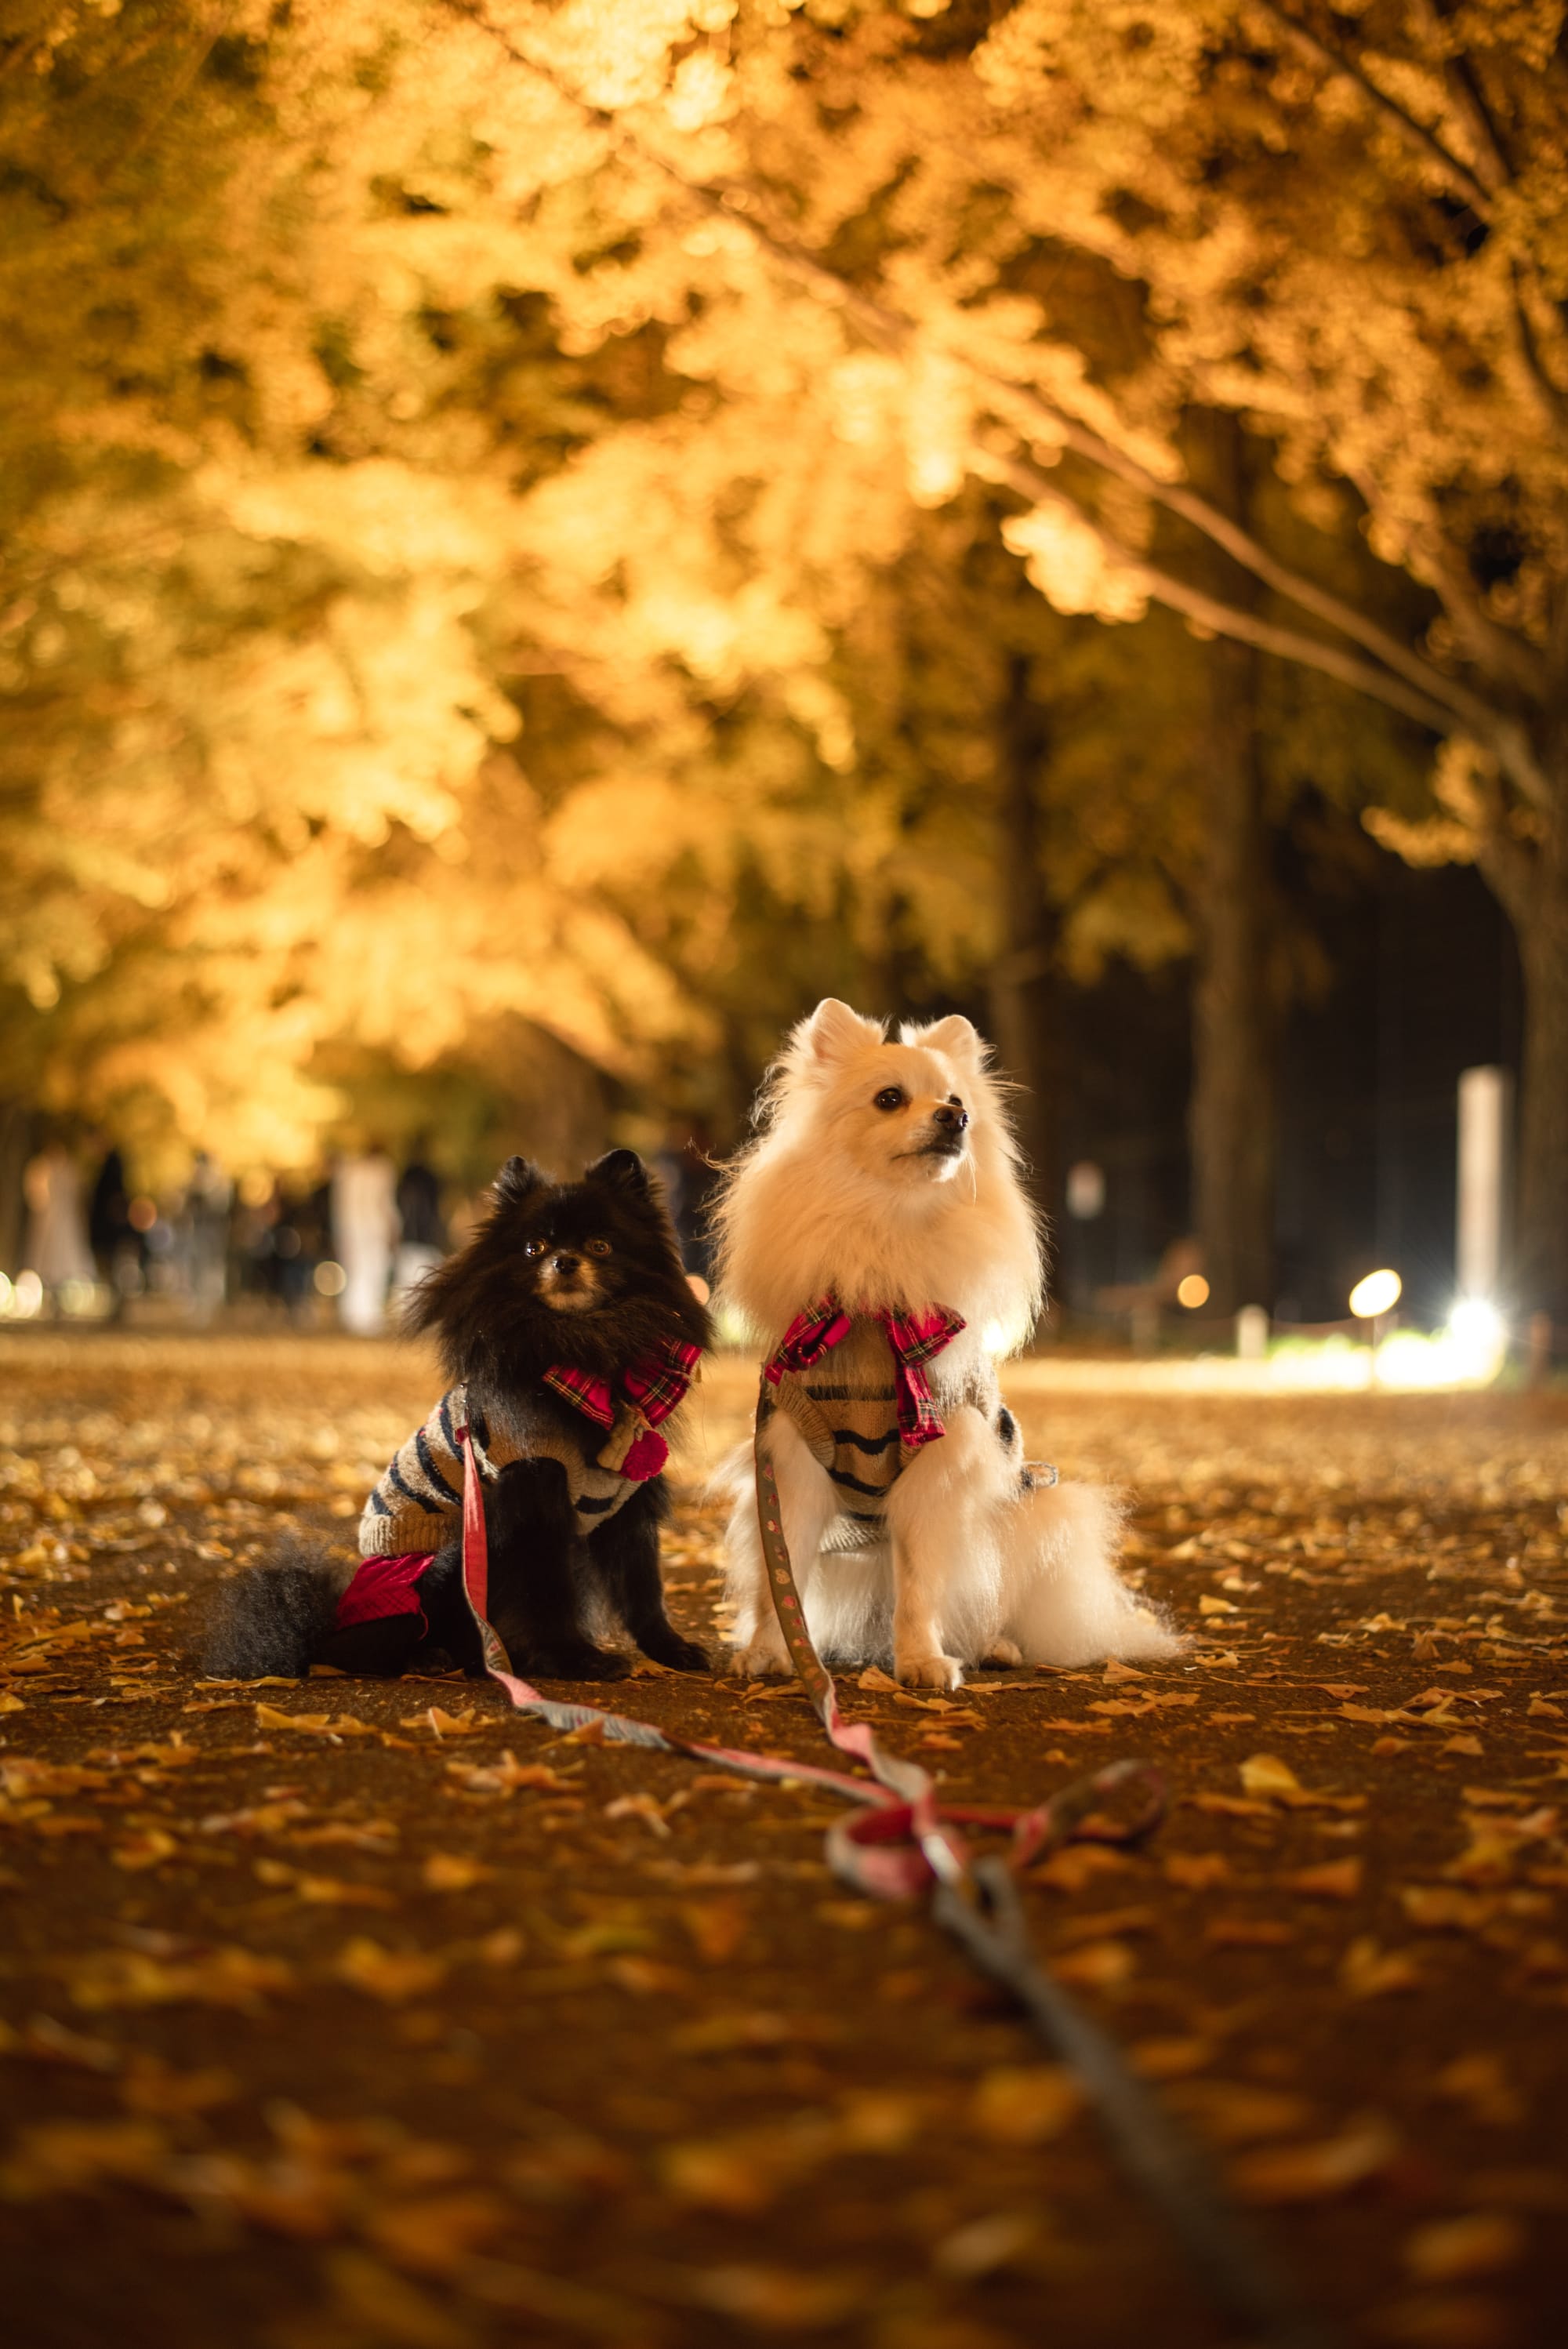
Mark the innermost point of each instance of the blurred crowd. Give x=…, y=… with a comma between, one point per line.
x=341, y=1245
x=336, y=1248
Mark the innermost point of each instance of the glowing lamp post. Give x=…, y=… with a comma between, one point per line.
x=1372, y=1298
x=1376, y=1294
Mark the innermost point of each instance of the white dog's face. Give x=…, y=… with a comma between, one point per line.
x=900, y=1113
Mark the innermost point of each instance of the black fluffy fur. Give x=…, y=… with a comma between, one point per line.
x=487, y=1308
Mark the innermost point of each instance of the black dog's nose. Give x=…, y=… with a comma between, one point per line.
x=952, y=1115
x=565, y=1261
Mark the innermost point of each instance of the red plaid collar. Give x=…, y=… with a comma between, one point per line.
x=653, y=1386
x=914, y=1338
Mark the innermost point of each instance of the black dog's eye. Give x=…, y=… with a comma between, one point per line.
x=533, y=1249
x=891, y=1097
x=595, y=1248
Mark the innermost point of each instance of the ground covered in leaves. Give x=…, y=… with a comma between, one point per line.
x=364, y=2016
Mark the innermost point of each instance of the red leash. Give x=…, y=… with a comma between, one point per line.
x=902, y=1840
x=910, y=1840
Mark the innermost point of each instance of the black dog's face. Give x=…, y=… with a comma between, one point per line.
x=577, y=1246
x=587, y=1272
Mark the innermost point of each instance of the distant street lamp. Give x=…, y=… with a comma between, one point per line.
x=1372, y=1297
x=1192, y=1291
x=1375, y=1295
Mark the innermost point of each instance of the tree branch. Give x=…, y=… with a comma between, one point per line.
x=1506, y=865
x=1465, y=92
x=880, y=322
x=1437, y=700
x=1244, y=549
x=1554, y=398
x=1219, y=619
x=1416, y=134
x=1510, y=656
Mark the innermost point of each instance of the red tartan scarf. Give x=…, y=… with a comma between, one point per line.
x=653, y=1387
x=914, y=1338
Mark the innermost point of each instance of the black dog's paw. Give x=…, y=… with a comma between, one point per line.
x=584, y=1663
x=680, y=1655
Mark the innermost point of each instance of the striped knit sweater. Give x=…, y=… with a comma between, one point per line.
x=418, y=1502
x=846, y=1407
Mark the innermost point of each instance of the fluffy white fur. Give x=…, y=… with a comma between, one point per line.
x=891, y=1207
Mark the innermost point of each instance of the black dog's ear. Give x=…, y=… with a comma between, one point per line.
x=623, y=1167
x=517, y=1178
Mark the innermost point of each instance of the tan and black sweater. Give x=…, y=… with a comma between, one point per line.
x=845, y=1406
x=417, y=1502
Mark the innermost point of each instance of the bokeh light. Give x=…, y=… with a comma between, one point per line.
x=1377, y=1293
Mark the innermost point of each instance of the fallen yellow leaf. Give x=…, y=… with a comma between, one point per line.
x=391, y=1975
x=1331, y=1880
x=1025, y=2104
x=1367, y=1970
x=452, y=1871
x=1097, y=1965
x=437, y=2235
x=1447, y=2251
x=1318, y=2172
x=313, y=1724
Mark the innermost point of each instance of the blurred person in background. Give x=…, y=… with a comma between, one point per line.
x=299, y=1244
x=208, y=1198
x=256, y=1220
x=57, y=1246
x=423, y=1243
x=115, y=1245
x=365, y=1231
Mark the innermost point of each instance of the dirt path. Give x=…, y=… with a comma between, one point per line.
x=356, y=2016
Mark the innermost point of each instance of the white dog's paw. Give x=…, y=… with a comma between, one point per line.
x=1005, y=1652
x=930, y=1672
x=764, y=1660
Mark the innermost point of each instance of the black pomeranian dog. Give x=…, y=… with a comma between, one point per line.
x=568, y=1332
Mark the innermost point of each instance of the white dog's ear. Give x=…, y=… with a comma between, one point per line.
x=956, y=1035
x=833, y=1031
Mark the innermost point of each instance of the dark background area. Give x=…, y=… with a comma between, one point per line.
x=1424, y=984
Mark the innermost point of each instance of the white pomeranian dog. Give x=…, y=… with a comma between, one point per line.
x=877, y=1241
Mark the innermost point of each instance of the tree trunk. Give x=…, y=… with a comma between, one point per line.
x=1540, y=1269
x=18, y=1130
x=1026, y=1022
x=1233, y=1118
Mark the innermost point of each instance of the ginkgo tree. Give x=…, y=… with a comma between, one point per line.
x=393, y=373
x=1348, y=233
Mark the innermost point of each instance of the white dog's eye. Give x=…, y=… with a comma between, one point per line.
x=596, y=1247
x=891, y=1097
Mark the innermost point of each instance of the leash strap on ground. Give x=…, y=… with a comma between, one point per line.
x=910, y=1840
x=1069, y=1813
x=977, y=1902
x=988, y=1919
x=609, y=1728
x=899, y=1843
